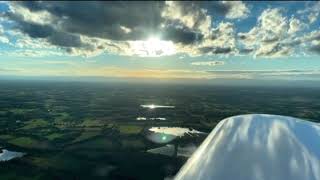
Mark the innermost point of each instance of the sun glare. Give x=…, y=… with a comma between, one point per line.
x=152, y=106
x=153, y=47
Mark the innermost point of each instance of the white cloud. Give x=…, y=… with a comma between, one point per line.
x=207, y=63
x=273, y=50
x=311, y=41
x=3, y=37
x=125, y=29
x=32, y=53
x=39, y=17
x=312, y=36
x=238, y=9
x=191, y=15
x=312, y=11
x=274, y=35
x=313, y=17
x=295, y=25
x=221, y=40
x=222, y=36
x=182, y=28
x=23, y=41
x=272, y=20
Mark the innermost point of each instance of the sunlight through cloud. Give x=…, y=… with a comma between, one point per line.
x=153, y=47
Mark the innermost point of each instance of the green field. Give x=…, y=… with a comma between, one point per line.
x=90, y=131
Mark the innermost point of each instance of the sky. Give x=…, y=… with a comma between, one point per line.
x=161, y=39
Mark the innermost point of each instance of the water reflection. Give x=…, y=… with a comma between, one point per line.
x=257, y=147
x=6, y=155
x=174, y=150
x=158, y=118
x=176, y=131
x=141, y=118
x=152, y=119
x=167, y=150
x=163, y=135
x=160, y=138
x=154, y=106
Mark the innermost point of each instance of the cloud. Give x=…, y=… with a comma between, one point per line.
x=9, y=70
x=127, y=28
x=273, y=50
x=315, y=48
x=98, y=19
x=215, y=50
x=64, y=26
x=295, y=25
x=312, y=11
x=221, y=40
x=31, y=53
x=237, y=9
x=3, y=37
x=311, y=41
x=273, y=20
x=92, y=28
x=227, y=9
x=207, y=63
x=60, y=62
x=181, y=35
x=274, y=35
x=188, y=14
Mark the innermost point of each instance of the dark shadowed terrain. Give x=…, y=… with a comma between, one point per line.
x=82, y=130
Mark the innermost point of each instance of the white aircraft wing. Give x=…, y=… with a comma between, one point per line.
x=257, y=147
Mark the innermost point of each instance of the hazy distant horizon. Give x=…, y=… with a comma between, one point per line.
x=163, y=81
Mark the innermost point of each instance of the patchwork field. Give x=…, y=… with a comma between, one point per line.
x=91, y=131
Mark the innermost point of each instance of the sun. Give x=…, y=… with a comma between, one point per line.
x=153, y=47
x=154, y=44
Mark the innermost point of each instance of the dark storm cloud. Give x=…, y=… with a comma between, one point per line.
x=45, y=31
x=216, y=8
x=182, y=35
x=74, y=25
x=66, y=40
x=120, y=21
x=103, y=19
x=33, y=29
x=33, y=5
